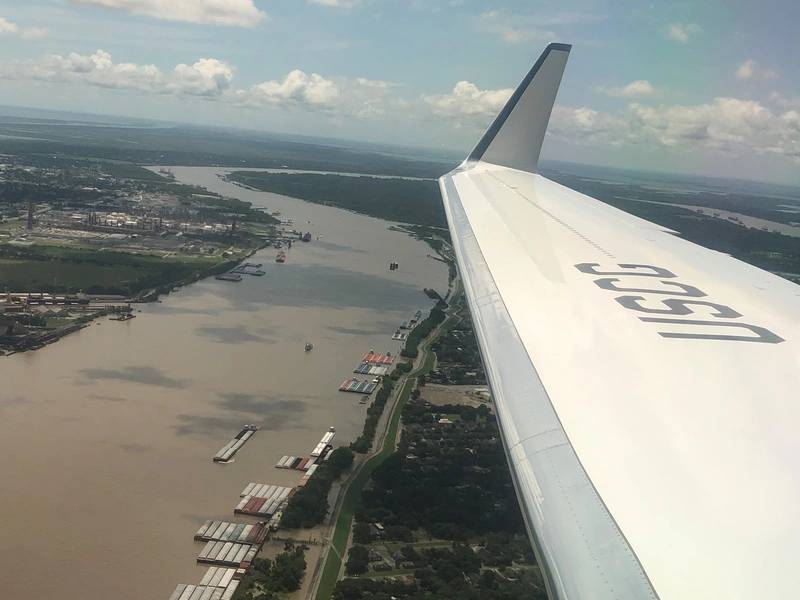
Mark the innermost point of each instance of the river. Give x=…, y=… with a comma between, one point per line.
x=108, y=434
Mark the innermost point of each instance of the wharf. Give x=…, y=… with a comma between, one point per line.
x=227, y=554
x=228, y=450
x=357, y=387
x=240, y=533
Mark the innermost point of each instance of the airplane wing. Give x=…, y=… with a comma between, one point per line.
x=646, y=387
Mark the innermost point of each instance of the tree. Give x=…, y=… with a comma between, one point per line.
x=362, y=533
x=341, y=459
x=357, y=560
x=399, y=532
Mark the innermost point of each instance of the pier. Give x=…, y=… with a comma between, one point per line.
x=228, y=450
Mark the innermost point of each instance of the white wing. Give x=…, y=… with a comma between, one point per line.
x=646, y=387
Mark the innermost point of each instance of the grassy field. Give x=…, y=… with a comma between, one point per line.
x=60, y=269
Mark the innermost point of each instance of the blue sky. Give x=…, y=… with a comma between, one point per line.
x=698, y=87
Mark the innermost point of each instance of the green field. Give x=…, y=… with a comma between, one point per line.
x=70, y=270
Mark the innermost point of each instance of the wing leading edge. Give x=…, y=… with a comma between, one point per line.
x=613, y=348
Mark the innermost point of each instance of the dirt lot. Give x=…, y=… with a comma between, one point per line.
x=456, y=394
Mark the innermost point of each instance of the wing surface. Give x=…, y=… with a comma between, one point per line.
x=646, y=387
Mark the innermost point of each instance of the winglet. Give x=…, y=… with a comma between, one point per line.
x=515, y=137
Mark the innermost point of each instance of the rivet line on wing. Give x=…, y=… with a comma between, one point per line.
x=571, y=229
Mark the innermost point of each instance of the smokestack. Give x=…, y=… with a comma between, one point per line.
x=30, y=213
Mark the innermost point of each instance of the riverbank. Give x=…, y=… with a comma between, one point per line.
x=329, y=568
x=122, y=419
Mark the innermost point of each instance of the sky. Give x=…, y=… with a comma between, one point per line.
x=709, y=88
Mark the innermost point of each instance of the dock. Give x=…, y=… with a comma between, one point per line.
x=357, y=386
x=217, y=584
x=228, y=450
x=261, y=499
x=240, y=533
x=227, y=554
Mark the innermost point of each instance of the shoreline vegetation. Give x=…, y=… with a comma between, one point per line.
x=400, y=200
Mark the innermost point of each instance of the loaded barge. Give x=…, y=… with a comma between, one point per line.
x=324, y=444
x=261, y=499
x=240, y=533
x=226, y=453
x=357, y=386
x=227, y=553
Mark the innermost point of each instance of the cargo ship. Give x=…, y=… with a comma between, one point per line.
x=281, y=258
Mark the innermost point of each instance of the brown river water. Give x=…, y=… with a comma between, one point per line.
x=107, y=435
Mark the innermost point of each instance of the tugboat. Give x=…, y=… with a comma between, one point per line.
x=281, y=258
x=309, y=346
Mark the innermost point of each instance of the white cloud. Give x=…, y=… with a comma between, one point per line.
x=335, y=3
x=236, y=13
x=785, y=101
x=467, y=100
x=212, y=79
x=727, y=125
x=27, y=33
x=751, y=70
x=635, y=89
x=206, y=77
x=682, y=32
x=512, y=30
x=297, y=88
x=358, y=97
